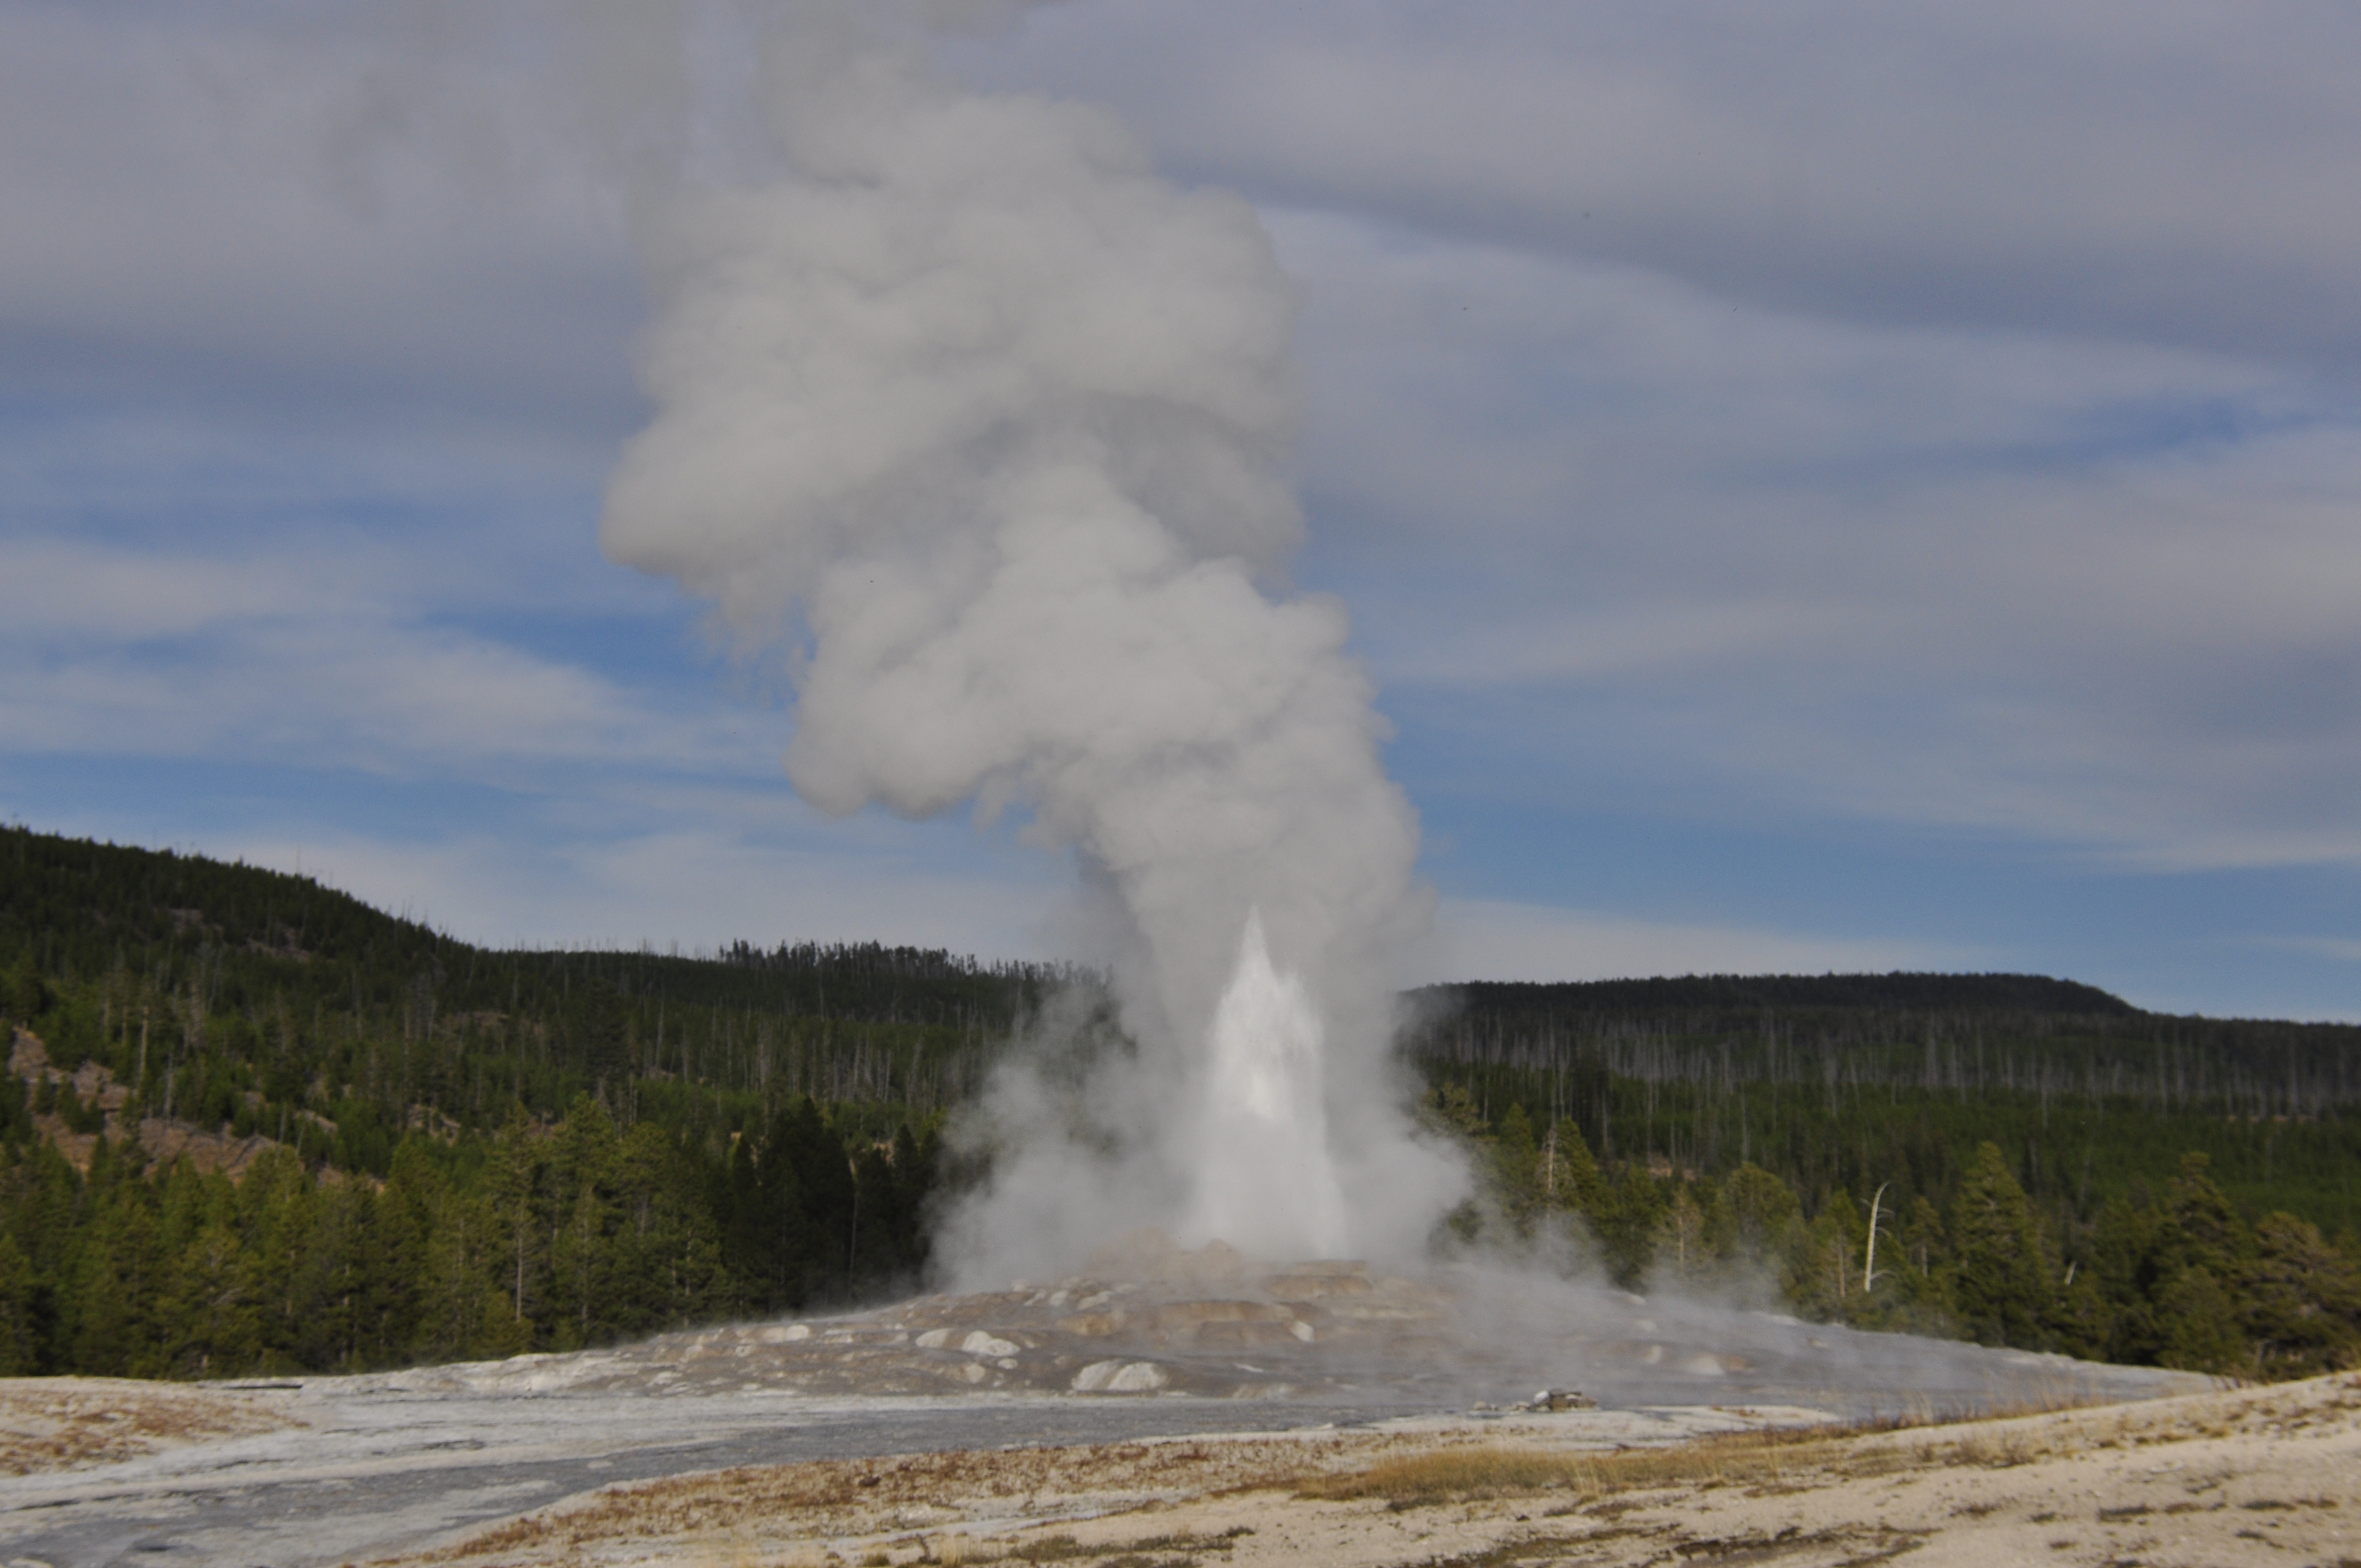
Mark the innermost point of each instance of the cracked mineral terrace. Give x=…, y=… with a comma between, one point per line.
x=1149, y=1341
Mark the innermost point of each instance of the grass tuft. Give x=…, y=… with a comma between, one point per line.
x=1480, y=1471
x=1777, y=1458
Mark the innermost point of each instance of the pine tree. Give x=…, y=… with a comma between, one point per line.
x=2002, y=1281
x=1516, y=1170
x=772, y=1248
x=2126, y=1269
x=1449, y=1110
x=275, y=1214
x=1924, y=1246
x=1823, y=1266
x=120, y=1272
x=1683, y=1260
x=440, y=1247
x=2302, y=1304
x=1571, y=1177
x=1753, y=1226
x=914, y=1173
x=514, y=1179
x=1626, y=1227
x=363, y=1270
x=23, y=994
x=16, y=1110
x=2201, y=1324
x=585, y=1157
x=647, y=1284
x=825, y=1174
x=2082, y=1320
x=2203, y=1227
x=211, y=1326
x=20, y=1346
x=879, y=1223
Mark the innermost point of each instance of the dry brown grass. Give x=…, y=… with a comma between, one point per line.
x=1769, y=1456
x=1479, y=1471
x=57, y=1423
x=910, y=1499
x=936, y=1549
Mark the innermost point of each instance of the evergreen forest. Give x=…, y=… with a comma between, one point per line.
x=252, y=1125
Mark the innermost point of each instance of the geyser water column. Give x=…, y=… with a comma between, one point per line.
x=1264, y=1180
x=983, y=420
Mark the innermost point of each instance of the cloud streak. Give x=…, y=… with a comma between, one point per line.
x=2165, y=175
x=121, y=650
x=1919, y=574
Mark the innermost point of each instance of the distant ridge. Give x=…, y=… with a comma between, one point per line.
x=84, y=901
x=1901, y=989
x=78, y=907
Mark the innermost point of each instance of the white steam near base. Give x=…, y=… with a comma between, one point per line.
x=983, y=420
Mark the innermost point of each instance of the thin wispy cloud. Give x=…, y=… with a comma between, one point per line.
x=1925, y=575
x=2093, y=170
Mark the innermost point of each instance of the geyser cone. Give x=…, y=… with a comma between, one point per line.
x=1265, y=1178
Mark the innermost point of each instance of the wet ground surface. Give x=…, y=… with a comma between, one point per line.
x=1167, y=1344
x=410, y=1476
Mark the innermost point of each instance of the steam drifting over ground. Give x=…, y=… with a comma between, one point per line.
x=981, y=421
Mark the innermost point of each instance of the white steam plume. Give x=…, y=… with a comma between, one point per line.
x=997, y=412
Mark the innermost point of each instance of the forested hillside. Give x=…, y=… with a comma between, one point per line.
x=2048, y=1165
x=1850, y=1081
x=252, y=1122
x=311, y=1134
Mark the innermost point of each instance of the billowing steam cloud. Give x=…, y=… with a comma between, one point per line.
x=982, y=417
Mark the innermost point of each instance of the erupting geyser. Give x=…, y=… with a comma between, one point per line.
x=1265, y=1182
x=983, y=419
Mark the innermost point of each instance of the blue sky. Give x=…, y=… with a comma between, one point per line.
x=1832, y=487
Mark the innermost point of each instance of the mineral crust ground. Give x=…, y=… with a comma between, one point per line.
x=1151, y=1344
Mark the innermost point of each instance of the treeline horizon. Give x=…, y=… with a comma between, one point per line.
x=2095, y=1099
x=378, y=1057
